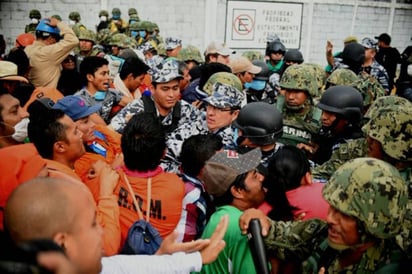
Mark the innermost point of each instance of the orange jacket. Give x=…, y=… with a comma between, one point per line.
x=166, y=201
x=107, y=208
x=18, y=164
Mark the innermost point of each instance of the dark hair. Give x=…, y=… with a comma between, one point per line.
x=196, y=150
x=3, y=91
x=19, y=57
x=45, y=130
x=90, y=65
x=143, y=142
x=208, y=70
x=285, y=171
x=133, y=65
x=227, y=197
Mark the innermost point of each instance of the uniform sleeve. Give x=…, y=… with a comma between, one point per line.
x=120, y=120
x=294, y=240
x=108, y=215
x=176, y=263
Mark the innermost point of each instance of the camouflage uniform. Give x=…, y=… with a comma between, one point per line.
x=190, y=53
x=299, y=127
x=370, y=88
x=342, y=76
x=377, y=208
x=77, y=27
x=31, y=28
x=191, y=120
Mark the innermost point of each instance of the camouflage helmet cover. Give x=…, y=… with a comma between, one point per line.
x=104, y=36
x=300, y=77
x=224, y=78
x=253, y=55
x=319, y=74
x=104, y=13
x=136, y=26
x=342, y=76
x=383, y=102
x=392, y=128
x=147, y=26
x=371, y=191
x=190, y=53
x=132, y=11
x=35, y=14
x=116, y=11
x=75, y=16
x=88, y=35
x=122, y=41
x=369, y=87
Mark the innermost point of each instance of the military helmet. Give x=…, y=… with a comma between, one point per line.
x=319, y=73
x=88, y=35
x=369, y=87
x=353, y=55
x=260, y=122
x=44, y=27
x=300, y=77
x=135, y=26
x=104, y=13
x=116, y=11
x=383, y=102
x=74, y=15
x=343, y=100
x=155, y=26
x=276, y=46
x=132, y=11
x=224, y=78
x=121, y=40
x=147, y=26
x=342, y=76
x=293, y=55
x=373, y=192
x=392, y=128
x=253, y=55
x=264, y=73
x=104, y=36
x=190, y=53
x=35, y=14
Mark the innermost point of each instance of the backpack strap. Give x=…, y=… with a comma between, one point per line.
x=149, y=196
x=149, y=107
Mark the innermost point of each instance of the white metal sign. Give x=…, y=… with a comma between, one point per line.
x=248, y=23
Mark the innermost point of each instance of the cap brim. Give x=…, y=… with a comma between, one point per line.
x=225, y=51
x=91, y=110
x=15, y=78
x=255, y=69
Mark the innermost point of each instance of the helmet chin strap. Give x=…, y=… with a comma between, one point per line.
x=329, y=131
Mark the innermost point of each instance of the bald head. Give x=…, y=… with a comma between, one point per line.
x=42, y=207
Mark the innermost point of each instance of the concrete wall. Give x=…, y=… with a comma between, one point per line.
x=198, y=22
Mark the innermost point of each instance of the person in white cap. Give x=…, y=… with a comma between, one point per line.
x=218, y=52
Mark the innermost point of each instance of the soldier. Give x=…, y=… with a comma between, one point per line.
x=301, y=118
x=371, y=66
x=120, y=41
x=367, y=198
x=275, y=50
x=156, y=36
x=180, y=119
x=173, y=46
x=103, y=17
x=87, y=40
x=358, y=147
x=133, y=16
x=116, y=23
x=342, y=109
x=74, y=22
x=259, y=124
x=191, y=56
x=35, y=17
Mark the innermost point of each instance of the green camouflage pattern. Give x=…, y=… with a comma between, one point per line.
x=253, y=55
x=370, y=88
x=354, y=148
x=122, y=41
x=132, y=11
x=75, y=16
x=383, y=102
x=30, y=28
x=226, y=78
x=371, y=191
x=147, y=26
x=104, y=13
x=77, y=28
x=342, y=77
x=116, y=11
x=136, y=26
x=319, y=74
x=300, y=77
x=190, y=53
x=88, y=35
x=392, y=128
x=134, y=17
x=35, y=14
x=104, y=36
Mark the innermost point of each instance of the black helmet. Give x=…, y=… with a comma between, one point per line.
x=276, y=46
x=353, y=55
x=264, y=73
x=293, y=55
x=261, y=122
x=343, y=100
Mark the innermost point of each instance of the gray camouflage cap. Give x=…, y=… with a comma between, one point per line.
x=166, y=72
x=369, y=43
x=172, y=43
x=224, y=96
x=371, y=191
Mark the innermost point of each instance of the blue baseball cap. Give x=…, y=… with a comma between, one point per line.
x=75, y=107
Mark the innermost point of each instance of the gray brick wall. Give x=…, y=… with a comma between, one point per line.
x=187, y=19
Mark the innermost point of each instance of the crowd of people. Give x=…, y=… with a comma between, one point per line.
x=103, y=130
